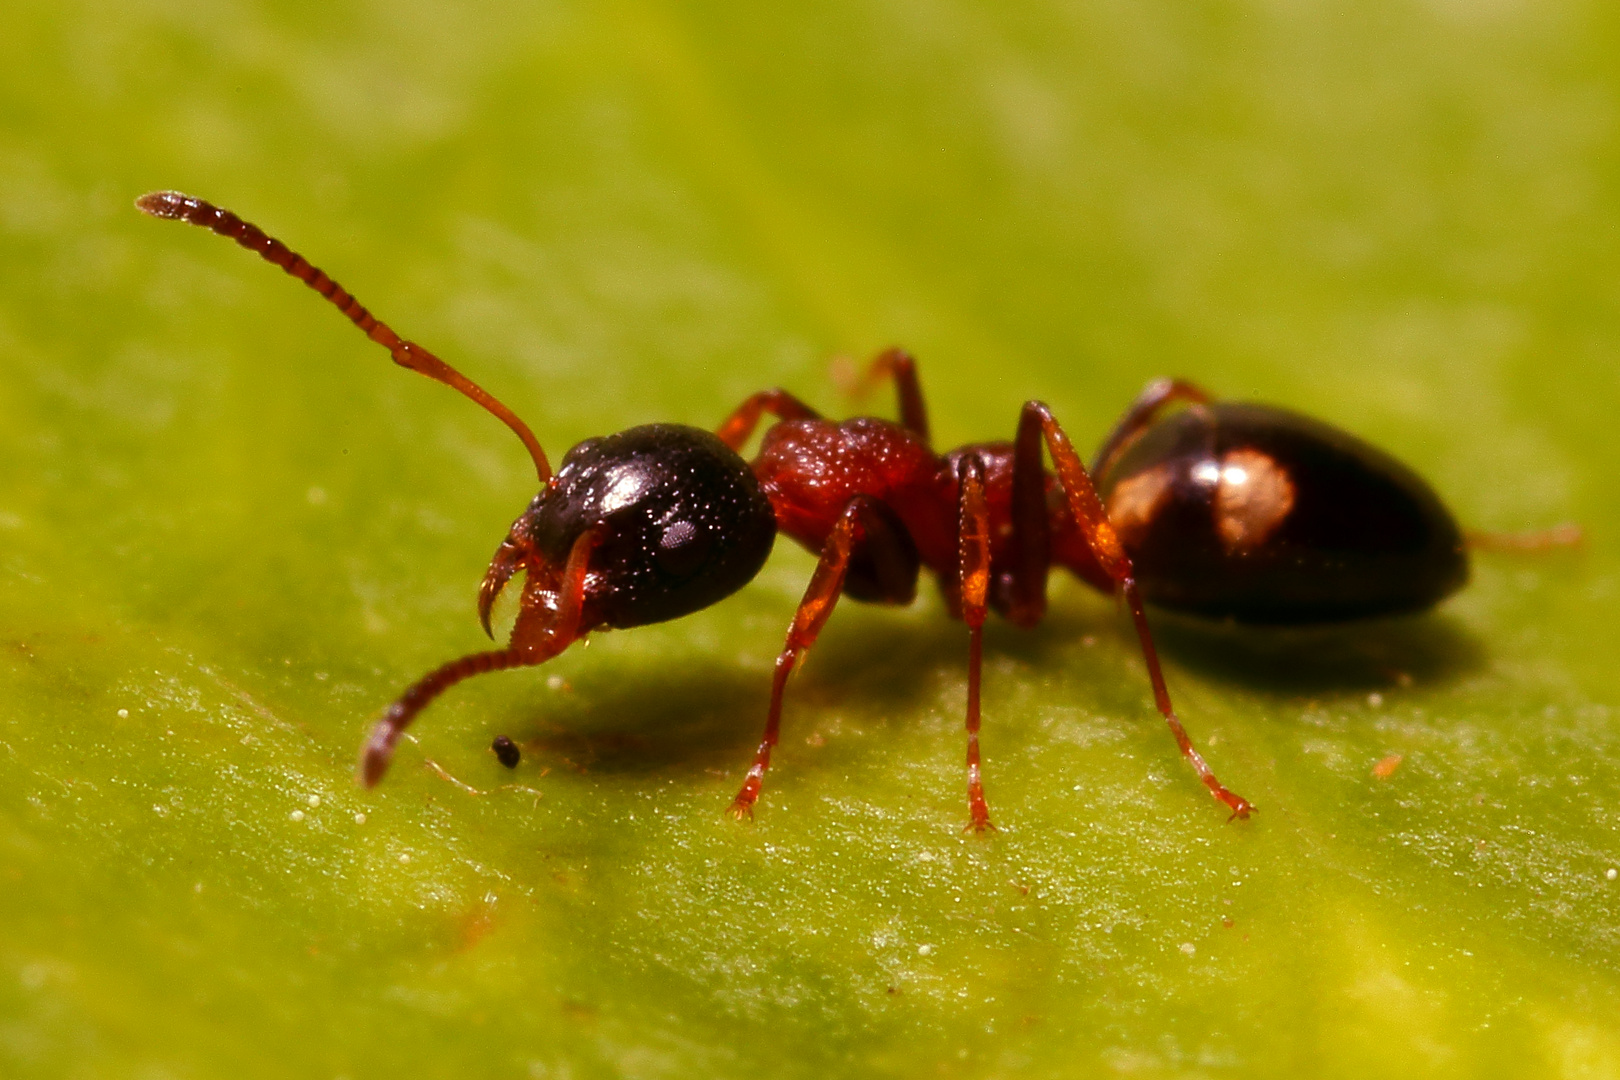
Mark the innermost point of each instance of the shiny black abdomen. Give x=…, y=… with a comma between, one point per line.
x=1261, y=515
x=687, y=523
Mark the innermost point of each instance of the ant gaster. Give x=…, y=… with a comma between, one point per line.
x=1225, y=511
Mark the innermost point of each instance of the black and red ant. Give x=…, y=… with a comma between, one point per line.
x=1225, y=511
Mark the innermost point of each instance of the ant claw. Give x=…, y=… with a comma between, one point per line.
x=1241, y=808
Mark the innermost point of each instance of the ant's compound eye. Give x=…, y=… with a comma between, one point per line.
x=683, y=550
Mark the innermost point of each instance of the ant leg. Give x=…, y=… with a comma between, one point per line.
x=884, y=564
x=1031, y=555
x=1143, y=411
x=547, y=624
x=973, y=570
x=779, y=403
x=901, y=366
x=819, y=599
x=1092, y=520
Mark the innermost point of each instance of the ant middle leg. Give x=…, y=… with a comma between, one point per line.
x=973, y=583
x=863, y=524
x=1036, y=424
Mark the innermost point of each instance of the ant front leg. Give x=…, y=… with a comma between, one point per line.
x=547, y=623
x=860, y=521
x=1036, y=423
x=901, y=366
x=973, y=579
x=1153, y=400
x=779, y=403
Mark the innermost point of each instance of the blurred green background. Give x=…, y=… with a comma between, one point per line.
x=231, y=531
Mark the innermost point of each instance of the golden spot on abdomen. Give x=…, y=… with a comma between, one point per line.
x=1135, y=501
x=1252, y=497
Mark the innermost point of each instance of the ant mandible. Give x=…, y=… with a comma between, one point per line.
x=1225, y=511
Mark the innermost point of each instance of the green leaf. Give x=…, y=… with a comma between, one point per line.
x=231, y=532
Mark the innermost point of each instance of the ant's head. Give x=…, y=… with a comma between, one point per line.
x=645, y=525
x=679, y=517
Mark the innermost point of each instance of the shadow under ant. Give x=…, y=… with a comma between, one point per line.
x=1365, y=655
x=688, y=715
x=709, y=715
x=1424, y=649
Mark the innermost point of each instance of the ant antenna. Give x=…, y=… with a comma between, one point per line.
x=177, y=207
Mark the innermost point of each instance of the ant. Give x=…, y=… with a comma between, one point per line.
x=1240, y=512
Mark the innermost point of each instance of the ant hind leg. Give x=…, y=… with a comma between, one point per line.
x=1037, y=422
x=1152, y=401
